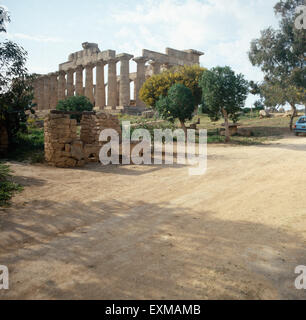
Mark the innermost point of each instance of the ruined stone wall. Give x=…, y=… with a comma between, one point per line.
x=64, y=148
x=91, y=126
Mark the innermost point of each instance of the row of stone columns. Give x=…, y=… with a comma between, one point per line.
x=51, y=88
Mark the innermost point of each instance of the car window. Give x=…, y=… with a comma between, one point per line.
x=303, y=120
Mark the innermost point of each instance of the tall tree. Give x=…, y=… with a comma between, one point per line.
x=281, y=56
x=224, y=94
x=16, y=90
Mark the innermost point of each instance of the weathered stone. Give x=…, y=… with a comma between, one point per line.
x=264, y=114
x=77, y=150
x=64, y=149
x=71, y=162
x=81, y=163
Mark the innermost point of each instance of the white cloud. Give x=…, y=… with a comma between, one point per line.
x=222, y=29
x=37, y=38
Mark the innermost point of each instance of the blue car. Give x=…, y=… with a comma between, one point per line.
x=300, y=126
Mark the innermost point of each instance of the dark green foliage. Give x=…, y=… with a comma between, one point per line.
x=75, y=103
x=222, y=89
x=7, y=187
x=15, y=103
x=178, y=104
x=258, y=104
x=280, y=53
x=281, y=56
x=224, y=94
x=28, y=146
x=16, y=90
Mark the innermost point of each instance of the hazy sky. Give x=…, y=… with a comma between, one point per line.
x=223, y=29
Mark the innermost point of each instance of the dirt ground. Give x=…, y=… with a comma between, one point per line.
x=154, y=232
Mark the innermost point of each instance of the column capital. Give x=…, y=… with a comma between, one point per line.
x=101, y=62
x=112, y=60
x=141, y=59
x=156, y=62
x=89, y=65
x=79, y=67
x=62, y=73
x=124, y=56
x=70, y=70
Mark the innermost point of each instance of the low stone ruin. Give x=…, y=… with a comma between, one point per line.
x=65, y=148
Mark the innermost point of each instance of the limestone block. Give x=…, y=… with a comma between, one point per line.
x=58, y=146
x=56, y=116
x=61, y=154
x=71, y=162
x=80, y=163
x=65, y=140
x=77, y=150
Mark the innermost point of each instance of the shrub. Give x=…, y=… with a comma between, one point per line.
x=28, y=145
x=159, y=84
x=75, y=103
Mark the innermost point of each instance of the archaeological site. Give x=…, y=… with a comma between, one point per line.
x=76, y=77
x=63, y=146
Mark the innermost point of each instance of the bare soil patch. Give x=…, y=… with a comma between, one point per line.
x=154, y=232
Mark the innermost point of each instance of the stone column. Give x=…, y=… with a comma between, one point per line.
x=140, y=79
x=156, y=67
x=61, y=85
x=112, y=83
x=135, y=94
x=118, y=94
x=36, y=99
x=70, y=85
x=53, y=90
x=89, y=83
x=100, y=85
x=124, y=89
x=79, y=81
x=46, y=93
x=40, y=88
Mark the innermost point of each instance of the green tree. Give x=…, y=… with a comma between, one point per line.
x=159, y=84
x=178, y=104
x=281, y=56
x=224, y=94
x=16, y=90
x=75, y=103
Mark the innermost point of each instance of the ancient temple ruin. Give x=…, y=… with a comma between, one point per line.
x=76, y=76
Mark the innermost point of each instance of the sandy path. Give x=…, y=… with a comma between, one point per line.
x=154, y=232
